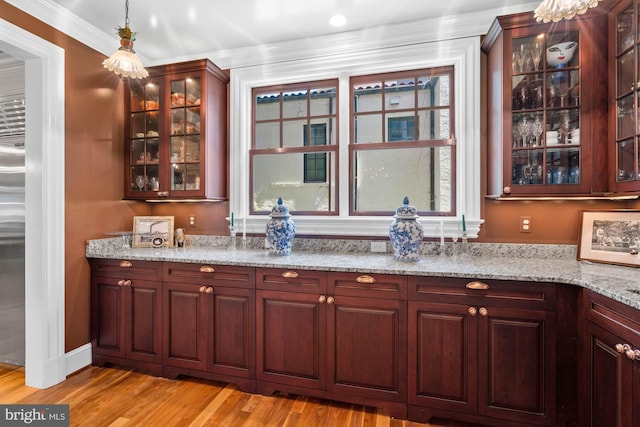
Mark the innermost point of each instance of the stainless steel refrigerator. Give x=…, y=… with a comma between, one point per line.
x=12, y=212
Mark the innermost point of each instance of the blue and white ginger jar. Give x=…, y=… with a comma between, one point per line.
x=406, y=233
x=280, y=230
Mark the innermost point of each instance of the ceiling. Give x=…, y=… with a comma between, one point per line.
x=188, y=28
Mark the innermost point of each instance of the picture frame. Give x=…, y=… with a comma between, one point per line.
x=152, y=232
x=610, y=236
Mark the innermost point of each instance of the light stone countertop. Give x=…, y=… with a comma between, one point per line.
x=502, y=262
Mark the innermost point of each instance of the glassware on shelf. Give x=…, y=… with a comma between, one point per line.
x=565, y=128
x=536, y=129
x=523, y=130
x=536, y=53
x=140, y=182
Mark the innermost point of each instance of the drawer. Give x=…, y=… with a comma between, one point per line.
x=209, y=274
x=292, y=280
x=130, y=269
x=367, y=285
x=497, y=293
x=615, y=317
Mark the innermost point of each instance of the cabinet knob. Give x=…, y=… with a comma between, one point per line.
x=620, y=348
x=506, y=190
x=483, y=311
x=127, y=283
x=365, y=279
x=126, y=264
x=322, y=299
x=330, y=300
x=209, y=290
x=163, y=193
x=473, y=311
x=477, y=285
x=121, y=282
x=207, y=269
x=203, y=289
x=290, y=275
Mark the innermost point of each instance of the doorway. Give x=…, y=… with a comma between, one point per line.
x=45, y=363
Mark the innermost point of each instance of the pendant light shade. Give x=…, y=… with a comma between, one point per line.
x=124, y=61
x=555, y=10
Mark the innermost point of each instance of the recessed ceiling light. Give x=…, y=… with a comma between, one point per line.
x=338, y=21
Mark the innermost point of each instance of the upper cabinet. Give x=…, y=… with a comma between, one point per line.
x=176, y=128
x=623, y=94
x=547, y=104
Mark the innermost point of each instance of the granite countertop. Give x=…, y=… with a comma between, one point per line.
x=617, y=282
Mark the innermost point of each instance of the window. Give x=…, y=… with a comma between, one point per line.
x=442, y=144
x=403, y=142
x=294, y=153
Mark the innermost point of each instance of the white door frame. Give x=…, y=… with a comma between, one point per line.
x=45, y=363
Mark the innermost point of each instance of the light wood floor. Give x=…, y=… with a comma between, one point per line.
x=117, y=397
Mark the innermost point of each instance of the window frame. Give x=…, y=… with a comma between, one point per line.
x=461, y=52
x=415, y=142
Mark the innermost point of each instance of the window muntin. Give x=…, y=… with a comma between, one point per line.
x=294, y=150
x=403, y=145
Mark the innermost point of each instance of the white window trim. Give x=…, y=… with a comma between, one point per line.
x=463, y=54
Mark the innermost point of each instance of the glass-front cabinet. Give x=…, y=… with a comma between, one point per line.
x=547, y=111
x=624, y=91
x=176, y=146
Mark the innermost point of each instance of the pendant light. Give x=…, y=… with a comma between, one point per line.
x=555, y=10
x=124, y=61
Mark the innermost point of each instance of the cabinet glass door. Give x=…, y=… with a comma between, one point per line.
x=546, y=110
x=185, y=113
x=627, y=86
x=144, y=152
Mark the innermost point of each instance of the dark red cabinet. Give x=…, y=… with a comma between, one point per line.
x=126, y=325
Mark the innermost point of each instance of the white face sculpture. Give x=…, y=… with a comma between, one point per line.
x=560, y=54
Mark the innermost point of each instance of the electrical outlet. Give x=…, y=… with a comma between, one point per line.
x=525, y=224
x=378, y=247
x=192, y=220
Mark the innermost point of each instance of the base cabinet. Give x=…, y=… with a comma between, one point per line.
x=126, y=325
x=610, y=364
x=324, y=342
x=476, y=359
x=209, y=322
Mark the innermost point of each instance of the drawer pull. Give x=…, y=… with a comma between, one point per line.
x=365, y=279
x=126, y=264
x=207, y=269
x=477, y=285
x=290, y=275
x=628, y=351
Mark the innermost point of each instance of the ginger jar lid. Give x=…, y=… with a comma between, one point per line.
x=406, y=211
x=280, y=210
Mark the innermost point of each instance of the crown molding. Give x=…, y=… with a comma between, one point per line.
x=419, y=31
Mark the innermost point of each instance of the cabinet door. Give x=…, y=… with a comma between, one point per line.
x=232, y=334
x=144, y=321
x=186, y=316
x=107, y=316
x=442, y=356
x=366, y=347
x=516, y=364
x=607, y=390
x=291, y=339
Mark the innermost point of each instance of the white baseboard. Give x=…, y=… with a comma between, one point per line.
x=78, y=358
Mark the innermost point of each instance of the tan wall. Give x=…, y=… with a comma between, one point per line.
x=94, y=180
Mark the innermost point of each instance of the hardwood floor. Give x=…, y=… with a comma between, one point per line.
x=117, y=397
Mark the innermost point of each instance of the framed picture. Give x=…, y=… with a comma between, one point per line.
x=152, y=232
x=610, y=236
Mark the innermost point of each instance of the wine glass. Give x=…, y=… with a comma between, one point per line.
x=565, y=128
x=523, y=130
x=536, y=130
x=521, y=57
x=536, y=53
x=140, y=182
